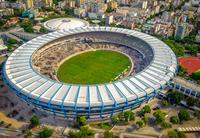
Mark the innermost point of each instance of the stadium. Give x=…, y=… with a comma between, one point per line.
x=64, y=23
x=31, y=72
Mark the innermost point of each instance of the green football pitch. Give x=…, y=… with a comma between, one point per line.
x=93, y=67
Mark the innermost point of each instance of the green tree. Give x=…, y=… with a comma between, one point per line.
x=82, y=121
x=11, y=0
x=121, y=117
x=179, y=50
x=43, y=30
x=2, y=22
x=174, y=120
x=55, y=2
x=193, y=51
x=145, y=119
x=196, y=75
x=45, y=133
x=191, y=101
x=109, y=10
x=165, y=103
x=18, y=12
x=181, y=71
x=27, y=25
x=160, y=116
x=197, y=114
x=69, y=11
x=175, y=97
x=35, y=121
x=84, y=132
x=11, y=41
x=129, y=116
x=73, y=134
x=172, y=134
x=115, y=120
x=165, y=125
x=181, y=134
x=28, y=133
x=140, y=123
x=108, y=134
x=146, y=109
x=176, y=134
x=183, y=115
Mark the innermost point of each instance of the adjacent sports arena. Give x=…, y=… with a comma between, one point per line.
x=31, y=72
x=64, y=23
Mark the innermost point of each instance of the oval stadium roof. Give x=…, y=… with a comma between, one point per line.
x=20, y=75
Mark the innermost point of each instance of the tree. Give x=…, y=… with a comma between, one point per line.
x=172, y=134
x=160, y=116
x=181, y=71
x=191, y=101
x=109, y=10
x=11, y=0
x=35, y=121
x=82, y=121
x=175, y=97
x=115, y=120
x=129, y=116
x=146, y=109
x=18, y=12
x=179, y=50
x=183, y=115
x=165, y=103
x=140, y=123
x=27, y=25
x=126, y=116
x=174, y=120
x=196, y=75
x=69, y=11
x=73, y=134
x=197, y=114
x=165, y=125
x=84, y=132
x=145, y=119
x=55, y=2
x=121, y=117
x=43, y=30
x=28, y=133
x=108, y=134
x=45, y=133
x=181, y=134
x=176, y=134
x=2, y=24
x=11, y=41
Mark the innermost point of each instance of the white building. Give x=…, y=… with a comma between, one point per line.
x=3, y=48
x=64, y=23
x=109, y=19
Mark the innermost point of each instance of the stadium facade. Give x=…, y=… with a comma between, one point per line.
x=93, y=101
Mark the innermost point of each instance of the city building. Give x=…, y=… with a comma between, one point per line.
x=109, y=19
x=180, y=31
x=3, y=48
x=29, y=4
x=80, y=12
x=6, y=12
x=48, y=3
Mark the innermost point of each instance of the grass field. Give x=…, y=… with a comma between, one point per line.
x=93, y=67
